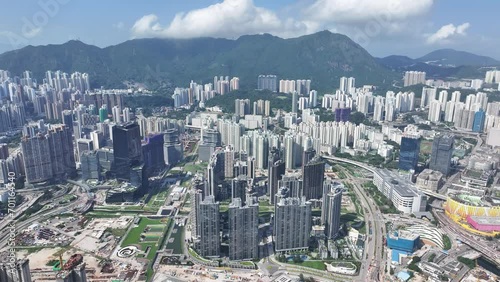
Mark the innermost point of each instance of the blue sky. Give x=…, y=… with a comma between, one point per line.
x=383, y=27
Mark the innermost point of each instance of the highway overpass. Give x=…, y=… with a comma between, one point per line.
x=374, y=170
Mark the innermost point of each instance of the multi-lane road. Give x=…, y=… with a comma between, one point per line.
x=489, y=251
x=374, y=262
x=42, y=215
x=447, y=224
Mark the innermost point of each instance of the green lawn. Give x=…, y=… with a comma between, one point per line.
x=152, y=249
x=265, y=204
x=264, y=209
x=151, y=238
x=101, y=214
x=154, y=238
x=223, y=208
x=156, y=228
x=195, y=254
x=157, y=200
x=134, y=235
x=316, y=264
x=118, y=208
x=194, y=168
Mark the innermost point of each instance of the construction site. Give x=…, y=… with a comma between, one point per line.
x=60, y=265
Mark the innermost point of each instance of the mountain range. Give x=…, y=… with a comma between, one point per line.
x=323, y=57
x=442, y=63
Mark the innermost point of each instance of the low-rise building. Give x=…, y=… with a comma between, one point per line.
x=484, y=159
x=322, y=250
x=347, y=268
x=333, y=250
x=431, y=269
x=484, y=223
x=385, y=150
x=429, y=180
x=403, y=194
x=476, y=177
x=428, y=234
x=403, y=240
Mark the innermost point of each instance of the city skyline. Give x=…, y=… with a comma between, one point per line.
x=399, y=27
x=199, y=149
x=256, y=177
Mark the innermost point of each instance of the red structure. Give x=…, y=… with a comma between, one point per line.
x=73, y=261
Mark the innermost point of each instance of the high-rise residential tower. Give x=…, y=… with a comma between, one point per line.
x=276, y=170
x=330, y=211
x=207, y=241
x=243, y=229
x=292, y=222
x=48, y=155
x=313, y=176
x=267, y=82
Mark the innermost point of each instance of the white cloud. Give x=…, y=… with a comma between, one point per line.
x=119, y=25
x=348, y=11
x=30, y=33
x=373, y=19
x=447, y=32
x=228, y=19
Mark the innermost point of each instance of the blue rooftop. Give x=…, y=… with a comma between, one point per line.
x=403, y=275
x=395, y=255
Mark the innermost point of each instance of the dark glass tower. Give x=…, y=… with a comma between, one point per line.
x=276, y=170
x=307, y=156
x=313, y=177
x=152, y=151
x=408, y=153
x=442, y=151
x=127, y=148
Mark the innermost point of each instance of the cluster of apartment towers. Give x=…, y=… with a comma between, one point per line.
x=292, y=193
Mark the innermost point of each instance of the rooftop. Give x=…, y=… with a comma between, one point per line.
x=430, y=174
x=403, y=275
x=486, y=220
x=395, y=254
x=402, y=186
x=403, y=234
x=473, y=200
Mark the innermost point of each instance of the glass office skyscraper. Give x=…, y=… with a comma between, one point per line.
x=442, y=151
x=408, y=153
